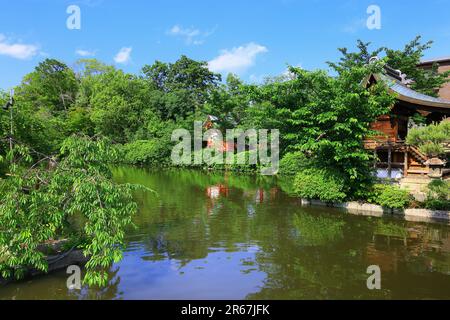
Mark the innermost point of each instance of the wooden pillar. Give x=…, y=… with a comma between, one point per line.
x=375, y=158
x=390, y=162
x=405, y=167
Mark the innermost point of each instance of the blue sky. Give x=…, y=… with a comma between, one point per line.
x=249, y=37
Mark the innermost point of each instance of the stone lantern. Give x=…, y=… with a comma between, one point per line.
x=436, y=167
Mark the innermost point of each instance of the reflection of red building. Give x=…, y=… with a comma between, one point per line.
x=261, y=195
x=389, y=251
x=387, y=260
x=257, y=196
x=214, y=192
x=274, y=192
x=264, y=195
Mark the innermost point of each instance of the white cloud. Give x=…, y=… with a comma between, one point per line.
x=17, y=50
x=91, y=3
x=85, y=53
x=123, y=56
x=190, y=35
x=287, y=74
x=354, y=26
x=237, y=59
x=257, y=78
x=180, y=31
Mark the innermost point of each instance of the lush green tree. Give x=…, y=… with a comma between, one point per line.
x=35, y=127
x=43, y=200
x=427, y=81
x=325, y=118
x=79, y=121
x=432, y=140
x=118, y=104
x=357, y=59
x=185, y=74
x=51, y=85
x=293, y=162
x=4, y=129
x=88, y=72
x=228, y=103
x=90, y=67
x=42, y=102
x=187, y=84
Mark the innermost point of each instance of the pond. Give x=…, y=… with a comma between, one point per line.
x=226, y=236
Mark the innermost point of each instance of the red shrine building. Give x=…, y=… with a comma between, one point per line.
x=396, y=159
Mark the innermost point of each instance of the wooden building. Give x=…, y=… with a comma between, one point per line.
x=396, y=159
x=443, y=66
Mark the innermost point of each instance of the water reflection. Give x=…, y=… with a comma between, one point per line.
x=223, y=236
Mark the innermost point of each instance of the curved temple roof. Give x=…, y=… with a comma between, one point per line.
x=407, y=94
x=435, y=60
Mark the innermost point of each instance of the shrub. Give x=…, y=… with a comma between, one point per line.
x=438, y=195
x=238, y=167
x=389, y=196
x=153, y=152
x=436, y=204
x=430, y=139
x=439, y=189
x=432, y=149
x=292, y=162
x=245, y=167
x=321, y=184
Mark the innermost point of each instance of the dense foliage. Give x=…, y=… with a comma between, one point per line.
x=62, y=111
x=45, y=197
x=424, y=80
x=325, y=119
x=321, y=184
x=438, y=195
x=292, y=163
x=432, y=140
x=389, y=196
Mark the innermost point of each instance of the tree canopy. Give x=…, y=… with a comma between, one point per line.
x=70, y=124
x=425, y=80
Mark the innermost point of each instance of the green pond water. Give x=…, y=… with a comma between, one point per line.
x=224, y=236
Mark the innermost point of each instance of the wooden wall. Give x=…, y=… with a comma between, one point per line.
x=387, y=127
x=444, y=92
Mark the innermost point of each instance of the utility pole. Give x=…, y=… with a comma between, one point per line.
x=11, y=103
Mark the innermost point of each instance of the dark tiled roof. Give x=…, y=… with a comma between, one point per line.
x=412, y=96
x=429, y=61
